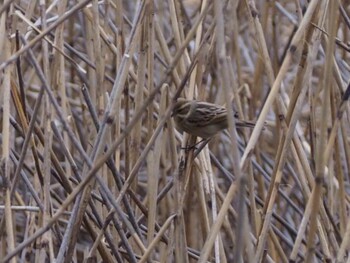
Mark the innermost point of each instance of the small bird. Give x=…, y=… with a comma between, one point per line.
x=202, y=119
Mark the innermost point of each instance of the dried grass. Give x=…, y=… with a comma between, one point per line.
x=93, y=169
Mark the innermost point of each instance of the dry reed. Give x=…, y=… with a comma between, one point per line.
x=93, y=170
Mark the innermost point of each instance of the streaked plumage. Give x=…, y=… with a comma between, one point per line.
x=202, y=119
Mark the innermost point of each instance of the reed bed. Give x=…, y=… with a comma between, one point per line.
x=93, y=169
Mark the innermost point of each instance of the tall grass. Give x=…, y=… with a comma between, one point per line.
x=93, y=169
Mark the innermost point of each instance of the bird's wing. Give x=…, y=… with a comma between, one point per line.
x=207, y=113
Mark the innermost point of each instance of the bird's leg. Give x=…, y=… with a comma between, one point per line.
x=202, y=143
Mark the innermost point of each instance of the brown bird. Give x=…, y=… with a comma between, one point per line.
x=201, y=118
